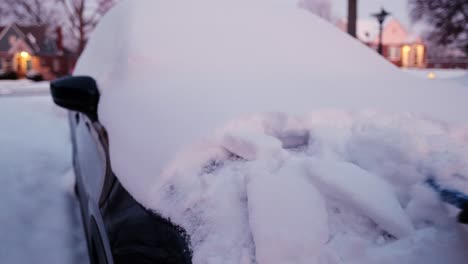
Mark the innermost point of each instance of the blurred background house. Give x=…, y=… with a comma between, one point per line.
x=400, y=46
x=32, y=42
x=31, y=51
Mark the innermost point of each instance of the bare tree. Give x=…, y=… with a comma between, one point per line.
x=322, y=8
x=28, y=11
x=82, y=17
x=448, y=21
x=78, y=17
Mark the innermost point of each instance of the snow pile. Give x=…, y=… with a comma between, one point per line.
x=354, y=193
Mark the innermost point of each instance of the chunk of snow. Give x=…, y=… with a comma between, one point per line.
x=363, y=191
x=428, y=245
x=252, y=146
x=425, y=207
x=287, y=215
x=289, y=130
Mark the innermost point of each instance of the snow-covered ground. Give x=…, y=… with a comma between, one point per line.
x=38, y=215
x=22, y=87
x=459, y=76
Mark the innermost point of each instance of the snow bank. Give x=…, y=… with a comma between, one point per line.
x=175, y=76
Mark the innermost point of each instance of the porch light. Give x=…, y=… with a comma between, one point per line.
x=406, y=48
x=24, y=55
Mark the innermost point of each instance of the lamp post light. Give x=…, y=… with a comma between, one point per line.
x=381, y=16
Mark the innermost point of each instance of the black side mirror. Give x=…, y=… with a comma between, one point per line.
x=77, y=93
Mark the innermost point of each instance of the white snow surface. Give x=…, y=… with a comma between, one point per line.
x=8, y=87
x=215, y=117
x=455, y=75
x=39, y=218
x=363, y=191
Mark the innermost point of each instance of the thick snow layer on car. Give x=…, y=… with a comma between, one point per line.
x=354, y=193
x=176, y=77
x=280, y=217
x=172, y=71
x=361, y=190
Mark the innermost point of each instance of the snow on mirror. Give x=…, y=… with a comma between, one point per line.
x=215, y=120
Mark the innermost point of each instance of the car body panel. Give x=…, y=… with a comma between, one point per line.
x=117, y=228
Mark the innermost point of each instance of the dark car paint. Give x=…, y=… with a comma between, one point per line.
x=77, y=93
x=118, y=229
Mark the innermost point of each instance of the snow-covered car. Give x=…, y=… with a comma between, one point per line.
x=255, y=132
x=118, y=229
x=34, y=76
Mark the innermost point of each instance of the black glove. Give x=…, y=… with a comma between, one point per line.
x=463, y=216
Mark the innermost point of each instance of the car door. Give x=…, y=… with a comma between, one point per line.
x=92, y=168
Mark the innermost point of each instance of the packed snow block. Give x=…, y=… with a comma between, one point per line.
x=252, y=146
x=425, y=207
x=288, y=129
x=293, y=138
x=287, y=216
x=369, y=194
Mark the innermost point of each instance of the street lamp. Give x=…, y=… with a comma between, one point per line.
x=352, y=17
x=381, y=19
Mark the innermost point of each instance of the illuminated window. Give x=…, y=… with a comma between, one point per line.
x=29, y=65
x=420, y=55
x=405, y=55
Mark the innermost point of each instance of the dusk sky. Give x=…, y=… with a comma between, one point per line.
x=399, y=8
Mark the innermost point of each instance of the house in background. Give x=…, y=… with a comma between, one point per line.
x=28, y=49
x=401, y=47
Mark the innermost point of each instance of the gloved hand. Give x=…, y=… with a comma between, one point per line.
x=463, y=215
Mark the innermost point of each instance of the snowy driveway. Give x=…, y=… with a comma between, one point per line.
x=15, y=88
x=39, y=221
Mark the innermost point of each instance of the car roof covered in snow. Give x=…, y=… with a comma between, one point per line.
x=171, y=72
